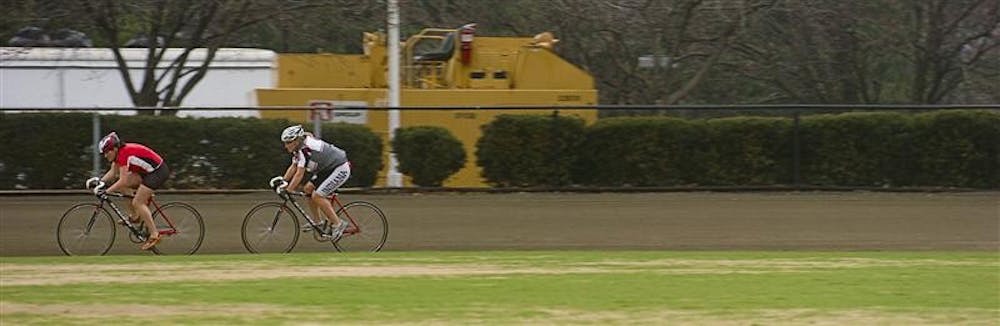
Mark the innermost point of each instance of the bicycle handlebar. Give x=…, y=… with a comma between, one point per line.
x=93, y=182
x=278, y=184
x=96, y=183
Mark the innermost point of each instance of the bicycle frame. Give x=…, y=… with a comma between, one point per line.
x=353, y=228
x=128, y=223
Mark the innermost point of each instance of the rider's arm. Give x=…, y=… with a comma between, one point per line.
x=296, y=177
x=111, y=174
x=290, y=172
x=296, y=170
x=121, y=181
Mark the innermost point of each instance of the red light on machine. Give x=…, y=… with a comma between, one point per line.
x=466, y=34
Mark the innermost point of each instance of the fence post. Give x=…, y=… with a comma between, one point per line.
x=318, y=128
x=321, y=111
x=554, y=150
x=796, y=150
x=95, y=137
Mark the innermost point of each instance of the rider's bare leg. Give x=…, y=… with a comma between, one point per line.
x=140, y=204
x=323, y=203
x=132, y=182
x=313, y=209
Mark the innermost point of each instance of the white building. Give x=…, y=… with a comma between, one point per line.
x=83, y=78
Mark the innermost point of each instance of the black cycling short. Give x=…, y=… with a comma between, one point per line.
x=154, y=180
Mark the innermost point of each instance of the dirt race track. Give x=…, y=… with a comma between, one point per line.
x=552, y=221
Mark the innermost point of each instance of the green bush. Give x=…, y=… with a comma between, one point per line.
x=747, y=151
x=54, y=150
x=956, y=148
x=364, y=150
x=634, y=151
x=529, y=150
x=856, y=149
x=428, y=154
x=40, y=151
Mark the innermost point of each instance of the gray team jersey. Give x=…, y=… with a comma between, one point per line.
x=317, y=155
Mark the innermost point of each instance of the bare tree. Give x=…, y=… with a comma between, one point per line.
x=891, y=51
x=335, y=27
x=941, y=32
x=174, y=31
x=652, y=52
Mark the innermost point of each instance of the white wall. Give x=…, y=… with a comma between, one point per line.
x=81, y=78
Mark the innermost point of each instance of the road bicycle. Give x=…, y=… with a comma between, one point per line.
x=89, y=228
x=274, y=226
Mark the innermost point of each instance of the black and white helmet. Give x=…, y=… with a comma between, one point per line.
x=292, y=133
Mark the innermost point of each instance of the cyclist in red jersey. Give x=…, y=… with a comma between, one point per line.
x=139, y=170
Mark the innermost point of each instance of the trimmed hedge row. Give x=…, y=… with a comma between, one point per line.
x=530, y=150
x=53, y=151
x=941, y=148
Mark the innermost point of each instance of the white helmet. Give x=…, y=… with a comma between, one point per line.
x=292, y=133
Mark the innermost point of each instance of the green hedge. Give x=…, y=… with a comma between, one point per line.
x=43, y=151
x=958, y=148
x=529, y=150
x=635, y=151
x=53, y=150
x=428, y=154
x=857, y=149
x=747, y=151
x=940, y=148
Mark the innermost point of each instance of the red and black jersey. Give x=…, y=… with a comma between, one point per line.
x=138, y=158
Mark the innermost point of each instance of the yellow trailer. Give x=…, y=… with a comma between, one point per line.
x=439, y=67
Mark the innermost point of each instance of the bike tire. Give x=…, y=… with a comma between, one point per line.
x=86, y=229
x=181, y=227
x=270, y=228
x=372, y=225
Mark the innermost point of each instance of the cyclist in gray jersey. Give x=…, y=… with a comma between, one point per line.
x=328, y=166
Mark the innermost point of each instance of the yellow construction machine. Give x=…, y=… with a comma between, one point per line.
x=438, y=67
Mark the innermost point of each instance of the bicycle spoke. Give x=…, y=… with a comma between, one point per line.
x=270, y=227
x=369, y=228
x=85, y=229
x=181, y=229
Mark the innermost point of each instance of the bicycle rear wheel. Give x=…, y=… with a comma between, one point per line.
x=181, y=229
x=368, y=230
x=270, y=227
x=85, y=229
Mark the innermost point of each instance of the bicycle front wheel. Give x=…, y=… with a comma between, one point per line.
x=181, y=229
x=270, y=227
x=85, y=229
x=368, y=230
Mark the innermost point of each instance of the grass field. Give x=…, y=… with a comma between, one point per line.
x=507, y=287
